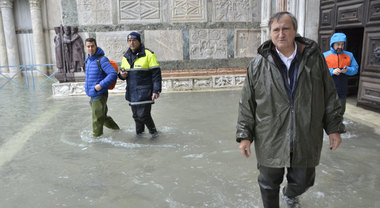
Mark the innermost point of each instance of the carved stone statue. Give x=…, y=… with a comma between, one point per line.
x=67, y=49
x=69, y=54
x=78, y=49
x=58, y=49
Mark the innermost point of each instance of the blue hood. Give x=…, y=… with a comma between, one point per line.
x=337, y=37
x=99, y=52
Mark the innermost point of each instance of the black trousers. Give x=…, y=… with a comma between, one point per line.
x=142, y=117
x=299, y=180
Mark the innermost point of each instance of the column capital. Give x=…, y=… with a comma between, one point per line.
x=35, y=3
x=6, y=3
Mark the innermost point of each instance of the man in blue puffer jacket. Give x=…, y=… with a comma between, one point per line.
x=96, y=86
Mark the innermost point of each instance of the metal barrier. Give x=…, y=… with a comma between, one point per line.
x=26, y=69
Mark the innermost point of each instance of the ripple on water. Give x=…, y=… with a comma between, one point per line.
x=87, y=139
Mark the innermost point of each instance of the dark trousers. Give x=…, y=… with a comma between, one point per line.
x=299, y=180
x=142, y=117
x=343, y=105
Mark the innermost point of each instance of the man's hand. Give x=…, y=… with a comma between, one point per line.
x=155, y=96
x=335, y=141
x=336, y=71
x=98, y=87
x=124, y=74
x=344, y=70
x=245, y=148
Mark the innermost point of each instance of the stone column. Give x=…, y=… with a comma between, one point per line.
x=3, y=48
x=38, y=34
x=282, y=5
x=298, y=8
x=10, y=35
x=266, y=8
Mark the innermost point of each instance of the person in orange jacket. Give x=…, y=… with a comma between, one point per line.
x=341, y=64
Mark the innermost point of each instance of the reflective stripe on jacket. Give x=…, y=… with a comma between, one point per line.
x=144, y=76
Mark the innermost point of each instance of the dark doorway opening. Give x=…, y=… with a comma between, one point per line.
x=354, y=45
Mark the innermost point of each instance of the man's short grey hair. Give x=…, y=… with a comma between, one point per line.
x=277, y=17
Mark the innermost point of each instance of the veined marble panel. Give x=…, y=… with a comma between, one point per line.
x=94, y=12
x=139, y=11
x=189, y=10
x=114, y=44
x=247, y=42
x=208, y=43
x=232, y=11
x=166, y=44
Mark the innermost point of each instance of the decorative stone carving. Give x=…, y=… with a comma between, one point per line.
x=223, y=81
x=246, y=42
x=94, y=12
x=77, y=50
x=58, y=49
x=208, y=43
x=202, y=83
x=232, y=10
x=69, y=53
x=166, y=44
x=189, y=10
x=140, y=11
x=114, y=44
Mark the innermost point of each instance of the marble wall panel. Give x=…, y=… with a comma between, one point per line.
x=94, y=12
x=208, y=43
x=166, y=44
x=232, y=11
x=188, y=10
x=140, y=11
x=114, y=44
x=223, y=81
x=246, y=42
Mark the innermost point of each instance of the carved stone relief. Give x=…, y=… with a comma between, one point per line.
x=246, y=42
x=223, y=81
x=374, y=51
x=166, y=44
x=140, y=11
x=202, y=83
x=114, y=44
x=232, y=10
x=94, y=12
x=189, y=10
x=208, y=43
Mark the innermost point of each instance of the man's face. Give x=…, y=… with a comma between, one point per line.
x=338, y=46
x=283, y=33
x=133, y=44
x=91, y=48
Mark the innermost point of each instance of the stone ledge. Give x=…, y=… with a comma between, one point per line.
x=172, y=80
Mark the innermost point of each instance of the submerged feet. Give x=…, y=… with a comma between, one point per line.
x=291, y=202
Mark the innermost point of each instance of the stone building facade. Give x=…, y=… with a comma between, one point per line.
x=185, y=35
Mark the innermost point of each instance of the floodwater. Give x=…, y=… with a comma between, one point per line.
x=48, y=157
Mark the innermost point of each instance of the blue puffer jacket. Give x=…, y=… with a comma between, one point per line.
x=95, y=76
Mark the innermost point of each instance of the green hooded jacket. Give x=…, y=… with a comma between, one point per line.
x=272, y=120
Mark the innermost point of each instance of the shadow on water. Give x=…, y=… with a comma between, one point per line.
x=195, y=161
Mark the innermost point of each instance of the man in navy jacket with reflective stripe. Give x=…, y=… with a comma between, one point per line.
x=139, y=67
x=96, y=86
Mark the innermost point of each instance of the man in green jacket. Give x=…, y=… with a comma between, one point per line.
x=287, y=100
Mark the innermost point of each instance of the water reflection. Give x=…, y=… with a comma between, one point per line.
x=195, y=161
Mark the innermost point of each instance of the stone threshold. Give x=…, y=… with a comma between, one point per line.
x=172, y=80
